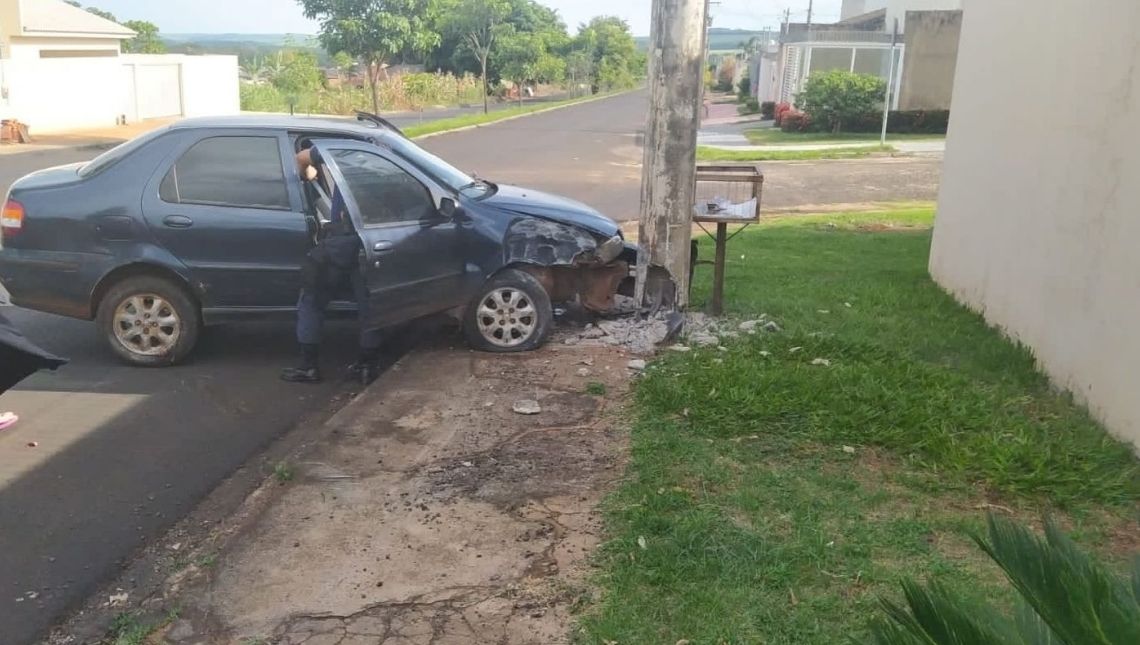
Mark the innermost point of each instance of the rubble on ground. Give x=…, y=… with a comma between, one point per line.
x=646, y=335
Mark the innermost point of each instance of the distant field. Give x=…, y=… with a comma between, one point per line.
x=719, y=39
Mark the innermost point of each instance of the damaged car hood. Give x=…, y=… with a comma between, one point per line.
x=525, y=201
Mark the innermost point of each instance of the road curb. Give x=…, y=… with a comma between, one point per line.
x=463, y=128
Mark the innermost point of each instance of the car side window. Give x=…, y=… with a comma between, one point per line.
x=384, y=192
x=242, y=171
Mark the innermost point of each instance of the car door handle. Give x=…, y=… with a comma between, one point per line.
x=382, y=246
x=178, y=221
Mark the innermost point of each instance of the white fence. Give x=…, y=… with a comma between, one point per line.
x=57, y=95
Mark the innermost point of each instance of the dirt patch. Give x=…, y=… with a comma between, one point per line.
x=434, y=513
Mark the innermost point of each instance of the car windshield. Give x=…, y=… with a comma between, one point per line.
x=112, y=156
x=438, y=169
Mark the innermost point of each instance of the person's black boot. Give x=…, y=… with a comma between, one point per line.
x=366, y=369
x=309, y=371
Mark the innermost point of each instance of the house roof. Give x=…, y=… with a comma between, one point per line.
x=55, y=17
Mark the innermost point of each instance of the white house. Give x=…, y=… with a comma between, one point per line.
x=861, y=42
x=1037, y=224
x=34, y=29
x=61, y=69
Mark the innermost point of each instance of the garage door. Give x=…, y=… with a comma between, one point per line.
x=159, y=91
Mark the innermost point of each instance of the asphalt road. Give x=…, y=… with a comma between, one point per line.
x=121, y=453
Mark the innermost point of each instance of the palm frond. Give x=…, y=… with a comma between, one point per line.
x=1081, y=601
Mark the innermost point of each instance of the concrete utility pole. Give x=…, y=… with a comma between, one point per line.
x=668, y=184
x=810, y=6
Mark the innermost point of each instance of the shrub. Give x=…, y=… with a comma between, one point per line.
x=918, y=121
x=744, y=89
x=768, y=110
x=751, y=106
x=407, y=91
x=837, y=97
x=795, y=121
x=781, y=109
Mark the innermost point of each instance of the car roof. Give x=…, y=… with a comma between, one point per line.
x=347, y=125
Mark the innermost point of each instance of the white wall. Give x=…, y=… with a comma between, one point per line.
x=898, y=9
x=29, y=48
x=1038, y=224
x=56, y=95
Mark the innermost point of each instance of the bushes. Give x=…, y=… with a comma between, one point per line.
x=781, y=109
x=839, y=98
x=795, y=121
x=903, y=122
x=768, y=110
x=408, y=91
x=744, y=90
x=750, y=106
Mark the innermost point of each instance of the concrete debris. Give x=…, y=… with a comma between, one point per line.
x=765, y=353
x=822, y=361
x=680, y=348
x=636, y=364
x=527, y=406
x=116, y=599
x=749, y=325
x=849, y=450
x=704, y=340
x=794, y=350
x=583, y=371
x=772, y=327
x=823, y=311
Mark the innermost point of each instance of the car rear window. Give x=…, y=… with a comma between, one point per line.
x=119, y=152
x=244, y=172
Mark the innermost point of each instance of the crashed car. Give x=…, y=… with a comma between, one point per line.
x=208, y=220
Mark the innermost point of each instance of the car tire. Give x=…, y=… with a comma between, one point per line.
x=511, y=314
x=149, y=321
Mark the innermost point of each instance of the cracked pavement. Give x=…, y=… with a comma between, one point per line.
x=431, y=514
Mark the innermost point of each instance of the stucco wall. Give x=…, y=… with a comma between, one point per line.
x=931, y=57
x=1037, y=224
x=898, y=9
x=57, y=95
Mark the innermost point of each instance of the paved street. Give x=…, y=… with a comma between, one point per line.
x=122, y=453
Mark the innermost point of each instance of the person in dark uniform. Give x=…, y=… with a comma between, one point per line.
x=330, y=267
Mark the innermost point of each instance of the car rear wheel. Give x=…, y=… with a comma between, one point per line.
x=511, y=314
x=149, y=321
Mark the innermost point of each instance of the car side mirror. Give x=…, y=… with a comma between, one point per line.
x=447, y=207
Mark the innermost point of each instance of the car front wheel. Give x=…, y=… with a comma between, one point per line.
x=511, y=314
x=148, y=321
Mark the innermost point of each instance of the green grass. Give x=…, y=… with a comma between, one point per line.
x=709, y=153
x=764, y=136
x=283, y=472
x=595, y=388
x=129, y=628
x=465, y=121
x=778, y=500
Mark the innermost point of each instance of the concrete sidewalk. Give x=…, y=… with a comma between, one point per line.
x=428, y=512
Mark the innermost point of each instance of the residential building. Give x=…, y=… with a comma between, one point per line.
x=1037, y=223
x=61, y=68
x=863, y=41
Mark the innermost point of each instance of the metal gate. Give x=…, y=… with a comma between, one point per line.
x=158, y=91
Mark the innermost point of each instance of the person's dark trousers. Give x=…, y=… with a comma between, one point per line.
x=339, y=267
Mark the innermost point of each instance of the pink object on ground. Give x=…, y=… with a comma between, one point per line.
x=7, y=420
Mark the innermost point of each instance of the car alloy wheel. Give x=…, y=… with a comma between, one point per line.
x=147, y=324
x=507, y=317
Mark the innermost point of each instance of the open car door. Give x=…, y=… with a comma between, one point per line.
x=413, y=258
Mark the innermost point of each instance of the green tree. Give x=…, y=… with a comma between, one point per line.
x=478, y=24
x=297, y=75
x=524, y=56
x=839, y=97
x=344, y=63
x=146, y=40
x=373, y=31
x=612, y=51
x=74, y=3
x=1066, y=598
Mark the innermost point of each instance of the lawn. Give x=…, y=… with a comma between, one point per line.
x=775, y=136
x=775, y=498
x=709, y=153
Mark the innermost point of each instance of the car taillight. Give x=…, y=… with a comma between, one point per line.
x=12, y=219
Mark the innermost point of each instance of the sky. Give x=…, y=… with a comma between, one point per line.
x=284, y=16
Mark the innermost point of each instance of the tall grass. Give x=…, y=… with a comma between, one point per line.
x=404, y=92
